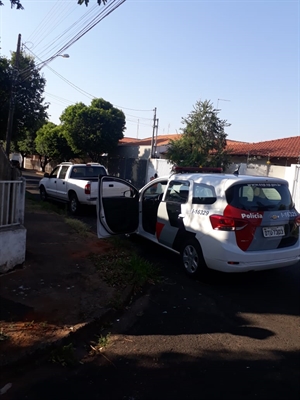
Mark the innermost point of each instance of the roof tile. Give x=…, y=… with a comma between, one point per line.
x=286, y=147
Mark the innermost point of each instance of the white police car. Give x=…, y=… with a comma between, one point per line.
x=219, y=221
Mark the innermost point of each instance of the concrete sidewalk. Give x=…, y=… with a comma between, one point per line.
x=57, y=291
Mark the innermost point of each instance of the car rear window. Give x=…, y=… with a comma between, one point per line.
x=88, y=171
x=260, y=197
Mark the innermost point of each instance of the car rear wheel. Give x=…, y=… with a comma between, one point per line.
x=43, y=193
x=74, y=204
x=192, y=258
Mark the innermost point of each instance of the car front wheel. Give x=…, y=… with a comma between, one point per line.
x=43, y=193
x=192, y=258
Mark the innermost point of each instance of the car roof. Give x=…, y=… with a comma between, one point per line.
x=217, y=178
x=82, y=165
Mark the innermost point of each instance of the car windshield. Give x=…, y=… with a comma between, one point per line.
x=260, y=197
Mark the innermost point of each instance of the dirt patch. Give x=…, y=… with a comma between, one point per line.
x=58, y=290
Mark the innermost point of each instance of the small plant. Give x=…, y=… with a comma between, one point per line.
x=101, y=343
x=43, y=324
x=103, y=340
x=64, y=356
x=3, y=336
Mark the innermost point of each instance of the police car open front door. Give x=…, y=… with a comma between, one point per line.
x=117, y=212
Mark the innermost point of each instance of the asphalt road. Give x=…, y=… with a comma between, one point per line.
x=225, y=337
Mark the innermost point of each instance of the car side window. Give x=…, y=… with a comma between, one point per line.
x=178, y=191
x=62, y=172
x=156, y=189
x=54, y=172
x=204, y=194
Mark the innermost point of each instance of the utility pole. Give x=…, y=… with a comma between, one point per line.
x=11, y=109
x=153, y=141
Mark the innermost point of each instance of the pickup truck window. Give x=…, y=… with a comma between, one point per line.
x=62, y=172
x=87, y=172
x=54, y=172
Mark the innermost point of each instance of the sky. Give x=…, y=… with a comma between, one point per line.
x=242, y=55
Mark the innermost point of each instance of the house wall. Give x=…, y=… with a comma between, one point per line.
x=142, y=152
x=159, y=166
x=12, y=231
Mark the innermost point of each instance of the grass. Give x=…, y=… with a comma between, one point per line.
x=59, y=208
x=48, y=206
x=80, y=227
x=122, y=267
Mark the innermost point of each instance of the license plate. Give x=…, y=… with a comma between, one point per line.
x=273, y=231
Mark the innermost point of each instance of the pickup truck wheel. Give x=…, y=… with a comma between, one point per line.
x=74, y=204
x=192, y=258
x=43, y=193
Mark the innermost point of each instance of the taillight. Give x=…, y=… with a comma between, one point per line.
x=297, y=220
x=222, y=223
x=87, y=188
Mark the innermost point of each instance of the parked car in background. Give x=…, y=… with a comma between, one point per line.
x=16, y=160
x=77, y=184
x=219, y=221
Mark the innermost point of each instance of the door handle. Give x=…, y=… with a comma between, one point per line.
x=180, y=216
x=110, y=185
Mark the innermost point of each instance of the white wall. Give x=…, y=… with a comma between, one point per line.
x=292, y=175
x=12, y=247
x=159, y=166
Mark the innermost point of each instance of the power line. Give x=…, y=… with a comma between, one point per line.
x=89, y=95
x=101, y=15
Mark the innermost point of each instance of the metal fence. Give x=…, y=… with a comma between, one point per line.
x=12, y=203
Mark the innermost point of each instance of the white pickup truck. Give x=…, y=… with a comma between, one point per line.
x=77, y=184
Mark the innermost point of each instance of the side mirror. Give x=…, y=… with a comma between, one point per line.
x=46, y=175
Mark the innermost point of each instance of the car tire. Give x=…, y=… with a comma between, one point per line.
x=43, y=194
x=74, y=204
x=192, y=258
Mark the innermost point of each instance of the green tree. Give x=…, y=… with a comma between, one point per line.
x=18, y=5
x=203, y=141
x=28, y=88
x=51, y=144
x=95, y=129
x=14, y=3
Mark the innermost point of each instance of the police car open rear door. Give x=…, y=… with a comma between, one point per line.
x=117, y=212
